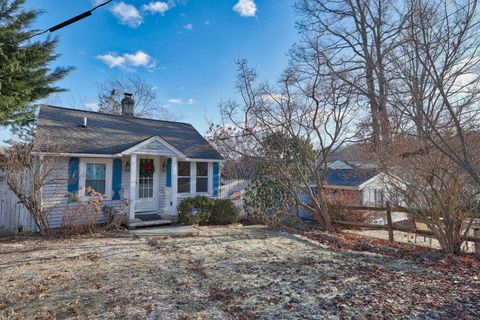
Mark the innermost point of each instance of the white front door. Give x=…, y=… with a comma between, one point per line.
x=148, y=173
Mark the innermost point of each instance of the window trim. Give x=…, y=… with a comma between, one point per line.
x=184, y=177
x=83, y=176
x=207, y=177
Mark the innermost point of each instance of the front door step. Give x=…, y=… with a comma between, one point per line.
x=136, y=223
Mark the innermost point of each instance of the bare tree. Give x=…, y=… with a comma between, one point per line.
x=26, y=173
x=291, y=128
x=111, y=93
x=354, y=38
x=436, y=191
x=437, y=79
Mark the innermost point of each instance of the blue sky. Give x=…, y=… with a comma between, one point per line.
x=185, y=48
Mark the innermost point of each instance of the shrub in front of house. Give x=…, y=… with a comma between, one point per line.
x=222, y=212
x=202, y=210
x=194, y=210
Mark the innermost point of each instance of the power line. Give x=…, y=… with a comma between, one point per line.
x=70, y=21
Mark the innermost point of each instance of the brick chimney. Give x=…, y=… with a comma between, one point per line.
x=127, y=105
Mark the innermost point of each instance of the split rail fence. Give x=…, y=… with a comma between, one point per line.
x=391, y=227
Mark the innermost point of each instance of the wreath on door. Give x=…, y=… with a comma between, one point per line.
x=148, y=169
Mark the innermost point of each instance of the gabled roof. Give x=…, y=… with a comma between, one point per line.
x=112, y=134
x=349, y=177
x=343, y=164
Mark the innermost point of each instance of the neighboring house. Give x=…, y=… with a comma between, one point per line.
x=347, y=186
x=153, y=164
x=350, y=183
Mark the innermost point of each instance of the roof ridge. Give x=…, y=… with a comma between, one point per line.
x=112, y=115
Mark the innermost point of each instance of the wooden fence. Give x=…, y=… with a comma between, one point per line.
x=391, y=227
x=14, y=218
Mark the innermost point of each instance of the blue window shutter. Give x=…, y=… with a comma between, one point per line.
x=169, y=172
x=216, y=178
x=117, y=179
x=73, y=166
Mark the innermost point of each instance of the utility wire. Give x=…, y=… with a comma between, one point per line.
x=70, y=21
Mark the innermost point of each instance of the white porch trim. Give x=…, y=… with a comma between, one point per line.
x=133, y=186
x=174, y=192
x=144, y=143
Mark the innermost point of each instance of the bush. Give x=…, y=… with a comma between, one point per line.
x=222, y=212
x=186, y=214
x=208, y=211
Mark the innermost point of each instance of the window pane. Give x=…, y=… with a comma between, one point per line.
x=97, y=185
x=183, y=185
x=202, y=184
x=96, y=171
x=146, y=168
x=145, y=180
x=202, y=169
x=95, y=177
x=184, y=169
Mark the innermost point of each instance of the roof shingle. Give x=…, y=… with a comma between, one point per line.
x=112, y=134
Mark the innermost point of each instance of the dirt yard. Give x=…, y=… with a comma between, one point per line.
x=223, y=273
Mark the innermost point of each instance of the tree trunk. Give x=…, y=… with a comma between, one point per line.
x=322, y=213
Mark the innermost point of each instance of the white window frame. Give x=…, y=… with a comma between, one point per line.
x=184, y=177
x=83, y=176
x=207, y=177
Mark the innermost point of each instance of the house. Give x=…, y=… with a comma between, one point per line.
x=351, y=184
x=153, y=164
x=346, y=186
x=354, y=183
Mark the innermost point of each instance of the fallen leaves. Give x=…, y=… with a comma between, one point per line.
x=238, y=273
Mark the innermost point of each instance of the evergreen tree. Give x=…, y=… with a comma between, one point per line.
x=25, y=75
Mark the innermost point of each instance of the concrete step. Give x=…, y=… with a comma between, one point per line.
x=137, y=223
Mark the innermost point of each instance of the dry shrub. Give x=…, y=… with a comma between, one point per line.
x=114, y=218
x=340, y=213
x=83, y=216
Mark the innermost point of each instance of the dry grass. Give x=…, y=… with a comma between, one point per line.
x=223, y=273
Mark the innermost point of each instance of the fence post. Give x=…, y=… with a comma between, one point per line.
x=389, y=221
x=476, y=234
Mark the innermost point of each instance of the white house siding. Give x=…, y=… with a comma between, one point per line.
x=368, y=192
x=54, y=195
x=368, y=199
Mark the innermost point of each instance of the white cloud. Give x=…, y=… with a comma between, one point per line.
x=157, y=7
x=181, y=101
x=127, y=14
x=91, y=106
x=246, y=8
x=175, y=101
x=128, y=61
x=188, y=26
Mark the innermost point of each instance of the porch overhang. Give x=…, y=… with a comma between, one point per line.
x=153, y=146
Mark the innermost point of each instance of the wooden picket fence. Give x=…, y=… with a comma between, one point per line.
x=391, y=227
x=14, y=218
